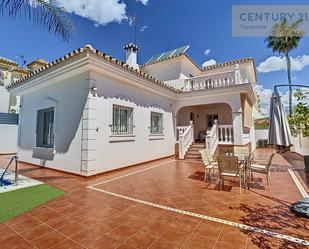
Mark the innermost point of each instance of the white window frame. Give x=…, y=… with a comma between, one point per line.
x=39, y=136
x=160, y=127
x=44, y=103
x=129, y=122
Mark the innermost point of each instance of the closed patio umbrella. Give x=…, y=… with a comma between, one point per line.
x=279, y=133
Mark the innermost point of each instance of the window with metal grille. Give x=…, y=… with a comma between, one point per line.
x=122, y=120
x=45, y=128
x=156, y=121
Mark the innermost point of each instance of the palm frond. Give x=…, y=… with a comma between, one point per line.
x=285, y=37
x=47, y=13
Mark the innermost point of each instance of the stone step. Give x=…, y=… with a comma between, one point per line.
x=197, y=146
x=193, y=157
x=193, y=152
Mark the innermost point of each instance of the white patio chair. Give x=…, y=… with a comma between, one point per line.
x=209, y=166
x=263, y=169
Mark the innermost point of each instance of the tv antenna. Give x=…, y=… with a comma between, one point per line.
x=22, y=59
x=133, y=24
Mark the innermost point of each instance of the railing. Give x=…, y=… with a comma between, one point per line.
x=219, y=134
x=217, y=80
x=186, y=138
x=14, y=158
x=212, y=138
x=179, y=131
x=225, y=134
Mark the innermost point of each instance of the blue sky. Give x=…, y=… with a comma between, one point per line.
x=204, y=25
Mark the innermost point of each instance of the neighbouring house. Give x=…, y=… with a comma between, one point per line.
x=9, y=104
x=88, y=113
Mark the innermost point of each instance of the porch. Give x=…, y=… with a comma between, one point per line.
x=212, y=125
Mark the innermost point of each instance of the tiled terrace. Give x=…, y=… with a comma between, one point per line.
x=131, y=208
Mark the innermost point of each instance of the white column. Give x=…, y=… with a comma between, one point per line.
x=237, y=75
x=237, y=127
x=89, y=132
x=175, y=126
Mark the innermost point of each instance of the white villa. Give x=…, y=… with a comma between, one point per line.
x=87, y=113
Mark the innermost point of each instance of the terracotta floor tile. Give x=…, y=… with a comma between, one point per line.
x=142, y=239
x=72, y=229
x=156, y=228
x=67, y=244
x=104, y=242
x=198, y=241
x=123, y=232
x=59, y=221
x=14, y=242
x=36, y=232
x=49, y=240
x=18, y=219
x=164, y=244
x=28, y=224
x=6, y=233
x=175, y=235
x=233, y=236
x=125, y=246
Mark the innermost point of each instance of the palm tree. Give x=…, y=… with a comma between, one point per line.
x=285, y=37
x=47, y=13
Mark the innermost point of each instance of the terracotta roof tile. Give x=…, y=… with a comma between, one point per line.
x=90, y=49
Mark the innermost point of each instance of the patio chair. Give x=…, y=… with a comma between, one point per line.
x=241, y=150
x=229, y=167
x=209, y=166
x=263, y=169
x=210, y=156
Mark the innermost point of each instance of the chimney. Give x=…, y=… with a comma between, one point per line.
x=131, y=55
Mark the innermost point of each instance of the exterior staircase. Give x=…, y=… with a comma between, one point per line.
x=193, y=152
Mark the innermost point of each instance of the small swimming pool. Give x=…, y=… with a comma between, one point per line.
x=5, y=182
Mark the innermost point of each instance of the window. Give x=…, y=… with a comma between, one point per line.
x=211, y=120
x=156, y=121
x=122, y=120
x=45, y=128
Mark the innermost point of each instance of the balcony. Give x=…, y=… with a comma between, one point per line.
x=217, y=80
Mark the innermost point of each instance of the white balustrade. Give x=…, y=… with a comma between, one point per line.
x=225, y=134
x=217, y=80
x=186, y=138
x=219, y=134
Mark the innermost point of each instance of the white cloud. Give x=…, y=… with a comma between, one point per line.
x=209, y=63
x=101, y=12
x=144, y=28
x=145, y=2
x=276, y=63
x=207, y=51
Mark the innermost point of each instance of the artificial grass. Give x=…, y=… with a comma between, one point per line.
x=19, y=201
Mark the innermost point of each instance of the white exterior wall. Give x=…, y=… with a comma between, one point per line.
x=68, y=97
x=172, y=69
x=301, y=145
x=8, y=138
x=115, y=152
x=4, y=100
x=261, y=134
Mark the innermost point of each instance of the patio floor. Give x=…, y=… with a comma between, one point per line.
x=163, y=204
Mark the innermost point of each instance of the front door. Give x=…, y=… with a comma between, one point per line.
x=210, y=120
